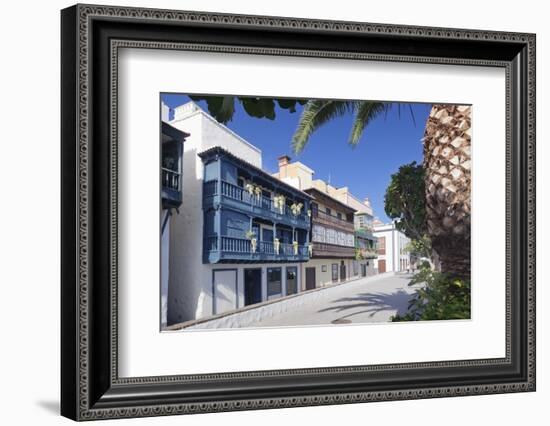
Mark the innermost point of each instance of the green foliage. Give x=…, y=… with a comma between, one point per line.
x=421, y=247
x=405, y=200
x=318, y=112
x=441, y=297
x=222, y=108
x=250, y=234
x=365, y=112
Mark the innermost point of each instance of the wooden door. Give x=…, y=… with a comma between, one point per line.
x=310, y=278
x=252, y=286
x=381, y=266
x=343, y=272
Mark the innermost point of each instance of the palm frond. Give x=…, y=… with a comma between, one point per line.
x=412, y=115
x=316, y=113
x=365, y=112
x=226, y=109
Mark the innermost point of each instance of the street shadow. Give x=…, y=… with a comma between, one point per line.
x=371, y=303
x=404, y=276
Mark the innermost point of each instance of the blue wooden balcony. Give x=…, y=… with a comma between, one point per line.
x=172, y=166
x=232, y=196
x=171, y=188
x=230, y=249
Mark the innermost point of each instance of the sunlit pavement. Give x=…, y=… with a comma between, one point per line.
x=361, y=301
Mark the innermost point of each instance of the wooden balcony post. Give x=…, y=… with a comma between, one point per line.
x=278, y=250
x=219, y=183
x=219, y=220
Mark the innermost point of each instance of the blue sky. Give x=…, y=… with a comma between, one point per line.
x=388, y=142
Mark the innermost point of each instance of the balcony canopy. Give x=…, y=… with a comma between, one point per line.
x=217, y=152
x=170, y=133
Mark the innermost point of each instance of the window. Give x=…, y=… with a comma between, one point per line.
x=381, y=245
x=331, y=236
x=318, y=234
x=339, y=215
x=329, y=212
x=314, y=209
x=274, y=286
x=323, y=268
x=291, y=280
x=267, y=235
x=334, y=272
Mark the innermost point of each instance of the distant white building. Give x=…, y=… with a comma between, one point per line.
x=392, y=256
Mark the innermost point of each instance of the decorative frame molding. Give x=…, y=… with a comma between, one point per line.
x=91, y=37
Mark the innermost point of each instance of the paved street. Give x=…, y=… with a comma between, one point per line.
x=373, y=299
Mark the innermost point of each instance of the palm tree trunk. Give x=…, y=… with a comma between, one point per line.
x=447, y=161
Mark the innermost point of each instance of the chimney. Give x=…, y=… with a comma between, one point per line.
x=185, y=110
x=283, y=162
x=164, y=112
x=366, y=201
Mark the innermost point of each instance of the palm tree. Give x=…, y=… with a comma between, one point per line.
x=447, y=163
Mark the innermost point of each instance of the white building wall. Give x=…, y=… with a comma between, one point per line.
x=323, y=279
x=164, y=270
x=396, y=258
x=208, y=295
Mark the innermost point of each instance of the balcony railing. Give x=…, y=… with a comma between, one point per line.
x=332, y=250
x=171, y=188
x=326, y=218
x=233, y=248
x=171, y=179
x=241, y=195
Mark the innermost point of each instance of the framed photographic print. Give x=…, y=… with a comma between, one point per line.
x=263, y=212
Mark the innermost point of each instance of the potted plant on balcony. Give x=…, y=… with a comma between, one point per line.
x=249, y=187
x=295, y=246
x=279, y=203
x=258, y=192
x=296, y=208
x=276, y=245
x=251, y=235
x=370, y=254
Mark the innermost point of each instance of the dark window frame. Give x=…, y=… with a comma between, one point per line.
x=280, y=269
x=335, y=268
x=295, y=269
